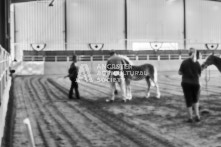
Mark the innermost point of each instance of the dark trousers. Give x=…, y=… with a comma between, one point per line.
x=191, y=93
x=74, y=85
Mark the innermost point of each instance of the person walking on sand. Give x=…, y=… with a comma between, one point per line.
x=73, y=74
x=191, y=71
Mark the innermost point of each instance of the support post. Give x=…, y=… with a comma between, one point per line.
x=184, y=23
x=125, y=23
x=65, y=23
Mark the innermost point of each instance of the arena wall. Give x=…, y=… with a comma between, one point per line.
x=42, y=24
x=4, y=107
x=5, y=83
x=73, y=24
x=61, y=68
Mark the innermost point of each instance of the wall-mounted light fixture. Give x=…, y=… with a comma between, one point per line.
x=51, y=3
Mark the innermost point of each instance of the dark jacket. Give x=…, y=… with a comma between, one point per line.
x=190, y=71
x=73, y=72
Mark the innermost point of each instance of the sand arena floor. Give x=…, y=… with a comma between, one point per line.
x=91, y=122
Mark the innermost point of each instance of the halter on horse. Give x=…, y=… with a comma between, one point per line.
x=129, y=72
x=212, y=60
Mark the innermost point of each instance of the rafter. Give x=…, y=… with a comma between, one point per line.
x=20, y=1
x=215, y=0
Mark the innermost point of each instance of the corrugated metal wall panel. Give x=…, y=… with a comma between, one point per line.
x=12, y=31
x=203, y=22
x=95, y=21
x=36, y=22
x=155, y=20
x=103, y=21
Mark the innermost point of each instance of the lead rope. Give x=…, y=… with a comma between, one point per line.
x=207, y=79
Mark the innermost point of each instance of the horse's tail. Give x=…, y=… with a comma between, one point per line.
x=154, y=76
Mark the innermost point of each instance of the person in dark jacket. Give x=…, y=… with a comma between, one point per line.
x=190, y=70
x=73, y=74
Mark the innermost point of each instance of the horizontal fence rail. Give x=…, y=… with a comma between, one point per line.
x=63, y=58
x=5, y=83
x=4, y=66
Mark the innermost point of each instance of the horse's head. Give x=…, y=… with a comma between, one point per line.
x=209, y=61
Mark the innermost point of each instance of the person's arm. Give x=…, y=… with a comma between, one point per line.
x=180, y=72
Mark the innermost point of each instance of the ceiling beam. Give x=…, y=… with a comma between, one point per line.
x=20, y=1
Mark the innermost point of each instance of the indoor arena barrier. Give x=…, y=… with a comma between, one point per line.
x=49, y=64
x=104, y=57
x=5, y=83
x=135, y=57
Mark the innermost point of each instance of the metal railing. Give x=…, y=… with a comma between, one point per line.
x=105, y=57
x=4, y=66
x=5, y=83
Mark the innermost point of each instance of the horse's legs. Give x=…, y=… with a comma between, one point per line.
x=123, y=87
x=113, y=88
x=148, y=87
x=128, y=89
x=115, y=91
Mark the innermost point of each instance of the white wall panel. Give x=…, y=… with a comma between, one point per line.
x=12, y=31
x=103, y=21
x=36, y=22
x=95, y=21
x=155, y=20
x=203, y=22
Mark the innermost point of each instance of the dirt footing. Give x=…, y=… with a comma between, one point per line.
x=7, y=139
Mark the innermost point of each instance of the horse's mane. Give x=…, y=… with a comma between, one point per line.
x=211, y=54
x=214, y=57
x=127, y=59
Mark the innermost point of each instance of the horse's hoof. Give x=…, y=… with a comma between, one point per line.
x=109, y=101
x=126, y=100
x=158, y=96
x=147, y=96
x=129, y=98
